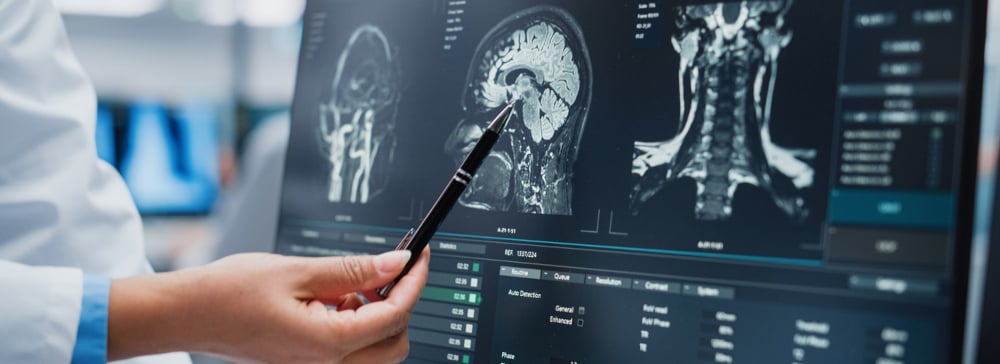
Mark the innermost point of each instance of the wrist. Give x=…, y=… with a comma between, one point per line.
x=151, y=314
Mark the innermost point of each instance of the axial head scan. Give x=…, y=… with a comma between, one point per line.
x=538, y=59
x=357, y=123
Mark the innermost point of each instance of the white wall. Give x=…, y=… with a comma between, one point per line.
x=160, y=56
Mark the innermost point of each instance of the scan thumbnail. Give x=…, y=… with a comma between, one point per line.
x=729, y=56
x=537, y=58
x=357, y=123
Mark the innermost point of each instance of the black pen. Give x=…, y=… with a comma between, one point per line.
x=416, y=240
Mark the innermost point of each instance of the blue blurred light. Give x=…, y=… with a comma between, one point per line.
x=105, y=135
x=171, y=164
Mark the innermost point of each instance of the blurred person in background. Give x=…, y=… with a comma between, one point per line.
x=73, y=273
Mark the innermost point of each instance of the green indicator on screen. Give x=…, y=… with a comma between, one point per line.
x=451, y=295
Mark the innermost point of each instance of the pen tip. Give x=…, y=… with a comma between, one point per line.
x=501, y=120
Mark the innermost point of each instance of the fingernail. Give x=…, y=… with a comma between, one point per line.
x=392, y=261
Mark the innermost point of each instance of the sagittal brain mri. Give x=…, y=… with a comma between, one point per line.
x=357, y=123
x=538, y=59
x=729, y=56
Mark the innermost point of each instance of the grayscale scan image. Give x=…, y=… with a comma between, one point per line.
x=357, y=124
x=538, y=59
x=729, y=58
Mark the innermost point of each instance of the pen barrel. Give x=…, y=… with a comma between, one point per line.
x=416, y=241
x=479, y=153
x=429, y=225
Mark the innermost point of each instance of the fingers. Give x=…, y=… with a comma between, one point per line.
x=391, y=350
x=350, y=301
x=329, y=278
x=372, y=296
x=407, y=291
x=376, y=321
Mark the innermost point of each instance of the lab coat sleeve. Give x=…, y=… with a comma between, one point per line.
x=39, y=313
x=39, y=303
x=92, y=333
x=59, y=206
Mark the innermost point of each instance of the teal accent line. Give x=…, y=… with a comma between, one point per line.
x=751, y=258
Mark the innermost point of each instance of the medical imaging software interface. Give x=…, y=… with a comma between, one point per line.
x=682, y=181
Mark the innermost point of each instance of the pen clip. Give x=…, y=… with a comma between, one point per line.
x=405, y=242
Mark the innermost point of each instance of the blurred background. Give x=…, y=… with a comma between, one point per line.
x=193, y=101
x=193, y=104
x=193, y=98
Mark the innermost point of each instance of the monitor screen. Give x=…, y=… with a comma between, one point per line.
x=105, y=134
x=681, y=181
x=168, y=157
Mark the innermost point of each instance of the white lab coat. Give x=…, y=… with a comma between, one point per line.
x=62, y=210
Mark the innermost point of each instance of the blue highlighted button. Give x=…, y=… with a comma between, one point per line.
x=895, y=208
x=890, y=207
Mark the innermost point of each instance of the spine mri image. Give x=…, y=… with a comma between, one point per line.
x=357, y=123
x=538, y=59
x=728, y=65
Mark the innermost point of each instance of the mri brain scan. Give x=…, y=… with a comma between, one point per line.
x=357, y=123
x=537, y=59
x=728, y=65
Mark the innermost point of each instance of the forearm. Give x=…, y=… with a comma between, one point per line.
x=268, y=308
x=152, y=314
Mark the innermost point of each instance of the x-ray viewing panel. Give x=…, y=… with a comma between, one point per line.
x=684, y=181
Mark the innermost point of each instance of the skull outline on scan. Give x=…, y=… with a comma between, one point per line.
x=357, y=123
x=538, y=59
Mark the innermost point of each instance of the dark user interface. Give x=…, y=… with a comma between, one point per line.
x=681, y=181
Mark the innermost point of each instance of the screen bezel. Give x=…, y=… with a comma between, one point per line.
x=977, y=11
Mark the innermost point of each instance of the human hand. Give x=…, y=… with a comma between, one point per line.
x=270, y=308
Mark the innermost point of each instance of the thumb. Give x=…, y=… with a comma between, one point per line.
x=331, y=277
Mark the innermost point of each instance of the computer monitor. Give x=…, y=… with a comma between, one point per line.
x=105, y=134
x=168, y=156
x=681, y=181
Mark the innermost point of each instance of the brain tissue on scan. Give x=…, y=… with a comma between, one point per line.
x=357, y=122
x=536, y=58
x=728, y=64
